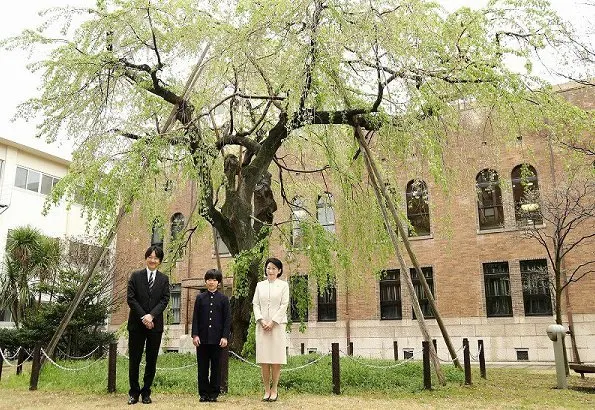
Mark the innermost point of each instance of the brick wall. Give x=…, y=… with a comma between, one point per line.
x=455, y=249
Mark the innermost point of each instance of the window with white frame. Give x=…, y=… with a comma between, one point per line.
x=298, y=214
x=34, y=180
x=157, y=235
x=175, y=296
x=325, y=212
x=222, y=248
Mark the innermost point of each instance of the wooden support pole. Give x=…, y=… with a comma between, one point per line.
x=111, y=367
x=396, y=350
x=467, y=360
x=302, y=348
x=426, y=365
x=36, y=367
x=1, y=365
x=384, y=198
x=20, y=361
x=350, y=349
x=482, y=359
x=336, y=368
x=224, y=370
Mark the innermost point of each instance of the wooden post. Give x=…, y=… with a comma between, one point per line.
x=396, y=350
x=426, y=365
x=36, y=367
x=111, y=367
x=467, y=360
x=224, y=370
x=302, y=348
x=20, y=361
x=435, y=345
x=350, y=349
x=336, y=369
x=1, y=366
x=482, y=359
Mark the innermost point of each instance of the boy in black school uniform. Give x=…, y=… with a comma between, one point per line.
x=211, y=323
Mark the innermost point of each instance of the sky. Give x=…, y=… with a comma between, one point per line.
x=19, y=84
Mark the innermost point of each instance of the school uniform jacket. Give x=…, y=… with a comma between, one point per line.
x=211, y=320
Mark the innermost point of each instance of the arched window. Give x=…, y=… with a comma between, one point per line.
x=418, y=210
x=489, y=200
x=177, y=225
x=525, y=191
x=325, y=212
x=298, y=214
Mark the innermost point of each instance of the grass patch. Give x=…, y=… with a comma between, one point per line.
x=397, y=385
x=356, y=376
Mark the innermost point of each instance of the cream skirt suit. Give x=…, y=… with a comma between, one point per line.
x=270, y=302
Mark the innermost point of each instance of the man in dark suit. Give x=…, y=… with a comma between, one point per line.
x=148, y=295
x=211, y=323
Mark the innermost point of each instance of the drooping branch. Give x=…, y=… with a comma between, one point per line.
x=312, y=54
x=155, y=48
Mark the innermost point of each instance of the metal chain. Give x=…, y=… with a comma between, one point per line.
x=475, y=358
x=390, y=366
x=162, y=368
x=242, y=359
x=6, y=360
x=3, y=354
x=451, y=360
x=79, y=357
x=283, y=369
x=70, y=368
x=305, y=365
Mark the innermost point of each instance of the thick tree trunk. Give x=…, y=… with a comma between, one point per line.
x=241, y=308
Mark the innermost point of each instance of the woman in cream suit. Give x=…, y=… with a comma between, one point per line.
x=270, y=312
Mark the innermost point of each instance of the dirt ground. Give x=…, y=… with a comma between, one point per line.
x=16, y=399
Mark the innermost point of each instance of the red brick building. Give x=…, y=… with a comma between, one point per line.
x=486, y=277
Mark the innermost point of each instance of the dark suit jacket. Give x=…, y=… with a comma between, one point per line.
x=211, y=320
x=141, y=301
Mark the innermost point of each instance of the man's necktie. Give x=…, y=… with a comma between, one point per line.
x=151, y=280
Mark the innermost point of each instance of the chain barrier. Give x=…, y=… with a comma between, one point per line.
x=305, y=365
x=243, y=360
x=475, y=358
x=3, y=354
x=283, y=369
x=451, y=360
x=6, y=360
x=79, y=357
x=70, y=368
x=390, y=366
x=161, y=368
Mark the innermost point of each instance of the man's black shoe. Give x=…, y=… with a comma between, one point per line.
x=203, y=399
x=147, y=400
x=213, y=399
x=132, y=400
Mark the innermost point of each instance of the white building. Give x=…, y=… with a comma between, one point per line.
x=26, y=178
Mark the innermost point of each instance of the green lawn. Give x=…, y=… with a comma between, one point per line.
x=505, y=387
